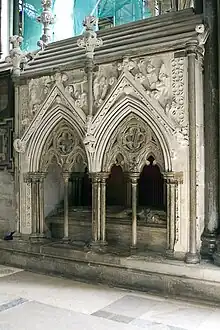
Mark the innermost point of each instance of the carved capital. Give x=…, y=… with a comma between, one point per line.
x=16, y=55
x=96, y=177
x=133, y=177
x=34, y=177
x=66, y=176
x=173, y=177
x=103, y=177
x=192, y=47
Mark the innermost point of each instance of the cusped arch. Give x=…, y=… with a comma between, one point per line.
x=116, y=115
x=48, y=124
x=133, y=140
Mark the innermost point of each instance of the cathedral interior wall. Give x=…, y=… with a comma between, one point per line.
x=7, y=203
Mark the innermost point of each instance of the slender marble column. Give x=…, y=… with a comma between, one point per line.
x=95, y=208
x=41, y=204
x=211, y=131
x=171, y=184
x=66, y=176
x=192, y=256
x=103, y=176
x=34, y=204
x=173, y=179
x=216, y=255
x=134, y=182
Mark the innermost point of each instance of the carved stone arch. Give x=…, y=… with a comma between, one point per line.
x=134, y=140
x=65, y=145
x=50, y=121
x=104, y=128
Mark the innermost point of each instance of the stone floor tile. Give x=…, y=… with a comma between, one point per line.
x=37, y=316
x=60, y=292
x=177, y=315
x=130, y=306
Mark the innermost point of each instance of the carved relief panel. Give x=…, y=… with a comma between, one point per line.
x=131, y=145
x=75, y=85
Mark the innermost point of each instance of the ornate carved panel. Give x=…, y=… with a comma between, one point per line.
x=65, y=147
x=75, y=85
x=104, y=77
x=161, y=78
x=131, y=145
x=6, y=144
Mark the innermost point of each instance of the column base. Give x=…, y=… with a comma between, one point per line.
x=17, y=236
x=216, y=254
x=208, y=244
x=192, y=258
x=38, y=238
x=66, y=240
x=133, y=249
x=95, y=245
x=170, y=253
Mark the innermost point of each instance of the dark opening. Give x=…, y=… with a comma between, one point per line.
x=116, y=187
x=151, y=187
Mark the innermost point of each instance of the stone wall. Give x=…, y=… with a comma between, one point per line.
x=7, y=203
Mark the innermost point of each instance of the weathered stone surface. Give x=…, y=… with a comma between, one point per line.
x=139, y=273
x=7, y=203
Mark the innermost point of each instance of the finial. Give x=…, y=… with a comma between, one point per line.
x=89, y=41
x=16, y=55
x=46, y=18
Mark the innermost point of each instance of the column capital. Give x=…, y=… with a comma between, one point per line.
x=66, y=176
x=34, y=177
x=173, y=177
x=98, y=176
x=192, y=47
x=133, y=176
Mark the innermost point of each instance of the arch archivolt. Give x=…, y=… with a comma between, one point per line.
x=65, y=147
x=161, y=145
x=130, y=146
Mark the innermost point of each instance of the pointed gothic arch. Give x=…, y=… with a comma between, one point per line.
x=48, y=123
x=130, y=106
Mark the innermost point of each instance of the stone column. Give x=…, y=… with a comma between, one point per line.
x=172, y=180
x=192, y=256
x=211, y=118
x=66, y=176
x=41, y=203
x=134, y=182
x=216, y=255
x=96, y=221
x=37, y=205
x=103, y=177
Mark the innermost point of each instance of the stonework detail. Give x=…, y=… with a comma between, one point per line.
x=75, y=86
x=104, y=78
x=132, y=143
x=16, y=56
x=63, y=145
x=38, y=91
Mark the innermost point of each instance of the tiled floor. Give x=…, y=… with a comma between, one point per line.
x=31, y=301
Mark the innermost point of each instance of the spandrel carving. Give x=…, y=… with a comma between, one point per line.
x=38, y=91
x=104, y=78
x=75, y=86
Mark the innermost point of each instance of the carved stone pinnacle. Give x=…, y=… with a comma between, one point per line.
x=16, y=55
x=89, y=41
x=46, y=18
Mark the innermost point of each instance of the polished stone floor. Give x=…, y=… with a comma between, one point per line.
x=31, y=301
